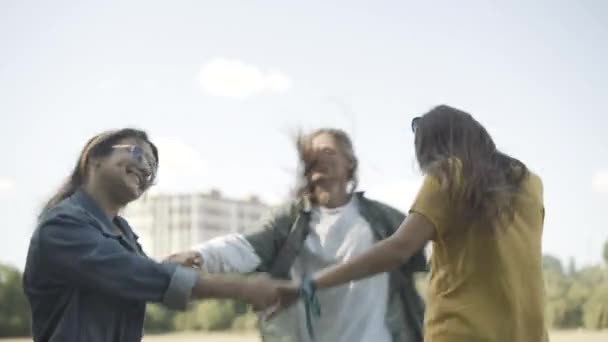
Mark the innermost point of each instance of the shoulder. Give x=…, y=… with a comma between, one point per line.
x=535, y=181
x=62, y=220
x=394, y=215
x=280, y=212
x=533, y=186
x=64, y=211
x=380, y=206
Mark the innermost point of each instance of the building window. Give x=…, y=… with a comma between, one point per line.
x=211, y=211
x=213, y=227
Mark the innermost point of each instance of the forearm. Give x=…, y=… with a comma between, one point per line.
x=384, y=256
x=258, y=290
x=217, y=286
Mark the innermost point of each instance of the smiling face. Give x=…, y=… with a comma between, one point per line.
x=127, y=171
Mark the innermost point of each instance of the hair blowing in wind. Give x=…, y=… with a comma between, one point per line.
x=98, y=146
x=491, y=179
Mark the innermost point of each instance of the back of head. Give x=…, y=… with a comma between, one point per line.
x=491, y=179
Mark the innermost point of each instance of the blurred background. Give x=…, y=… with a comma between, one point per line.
x=222, y=87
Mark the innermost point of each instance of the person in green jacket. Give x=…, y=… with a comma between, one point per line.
x=328, y=222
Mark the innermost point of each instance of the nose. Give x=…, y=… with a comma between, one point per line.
x=143, y=166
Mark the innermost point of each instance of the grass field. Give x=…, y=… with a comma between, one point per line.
x=557, y=336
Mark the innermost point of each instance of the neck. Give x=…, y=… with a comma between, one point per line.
x=104, y=202
x=336, y=195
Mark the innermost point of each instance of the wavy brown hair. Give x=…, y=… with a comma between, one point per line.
x=491, y=180
x=98, y=146
x=306, y=159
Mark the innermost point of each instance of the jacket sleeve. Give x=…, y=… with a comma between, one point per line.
x=73, y=251
x=230, y=253
x=268, y=238
x=418, y=261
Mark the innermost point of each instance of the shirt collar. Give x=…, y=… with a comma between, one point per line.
x=88, y=203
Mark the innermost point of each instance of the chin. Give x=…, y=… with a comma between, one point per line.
x=129, y=195
x=135, y=194
x=322, y=197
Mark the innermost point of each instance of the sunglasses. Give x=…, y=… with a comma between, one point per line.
x=415, y=122
x=139, y=155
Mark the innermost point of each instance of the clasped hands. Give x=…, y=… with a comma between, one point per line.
x=268, y=296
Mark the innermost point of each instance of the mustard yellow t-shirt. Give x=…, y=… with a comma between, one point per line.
x=486, y=282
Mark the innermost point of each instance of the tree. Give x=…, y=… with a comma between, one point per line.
x=248, y=321
x=571, y=267
x=596, y=309
x=576, y=297
x=556, y=288
x=208, y=315
x=551, y=263
x=158, y=319
x=606, y=252
x=14, y=308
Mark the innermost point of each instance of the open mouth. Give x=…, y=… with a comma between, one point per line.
x=136, y=176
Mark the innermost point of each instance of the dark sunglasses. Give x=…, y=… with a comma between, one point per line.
x=139, y=155
x=415, y=122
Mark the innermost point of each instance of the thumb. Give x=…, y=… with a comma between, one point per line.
x=272, y=311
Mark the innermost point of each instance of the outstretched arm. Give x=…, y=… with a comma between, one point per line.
x=75, y=253
x=230, y=253
x=429, y=213
x=410, y=237
x=239, y=253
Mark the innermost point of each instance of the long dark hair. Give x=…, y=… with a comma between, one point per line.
x=491, y=180
x=98, y=146
x=305, y=159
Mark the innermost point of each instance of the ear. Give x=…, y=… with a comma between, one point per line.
x=352, y=165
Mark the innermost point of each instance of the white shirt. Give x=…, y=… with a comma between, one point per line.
x=352, y=312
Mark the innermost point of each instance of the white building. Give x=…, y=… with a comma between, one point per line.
x=168, y=223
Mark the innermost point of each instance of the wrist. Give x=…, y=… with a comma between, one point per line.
x=309, y=285
x=244, y=289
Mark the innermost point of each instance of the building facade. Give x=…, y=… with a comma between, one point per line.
x=169, y=223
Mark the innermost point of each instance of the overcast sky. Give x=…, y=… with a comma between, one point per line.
x=221, y=85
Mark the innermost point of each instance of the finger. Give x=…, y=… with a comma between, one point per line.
x=272, y=312
x=169, y=258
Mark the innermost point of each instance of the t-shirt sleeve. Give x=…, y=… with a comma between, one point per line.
x=433, y=202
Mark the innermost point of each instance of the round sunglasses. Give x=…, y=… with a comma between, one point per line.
x=139, y=155
x=415, y=123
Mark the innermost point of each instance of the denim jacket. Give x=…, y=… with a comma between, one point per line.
x=85, y=282
x=281, y=238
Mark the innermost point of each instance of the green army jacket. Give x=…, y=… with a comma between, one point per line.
x=282, y=236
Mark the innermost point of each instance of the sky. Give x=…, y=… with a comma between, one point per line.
x=222, y=86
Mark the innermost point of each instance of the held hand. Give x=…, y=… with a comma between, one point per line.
x=262, y=292
x=288, y=293
x=190, y=259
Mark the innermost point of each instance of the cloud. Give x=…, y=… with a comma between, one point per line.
x=399, y=193
x=109, y=83
x=236, y=79
x=599, y=182
x=181, y=167
x=6, y=185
